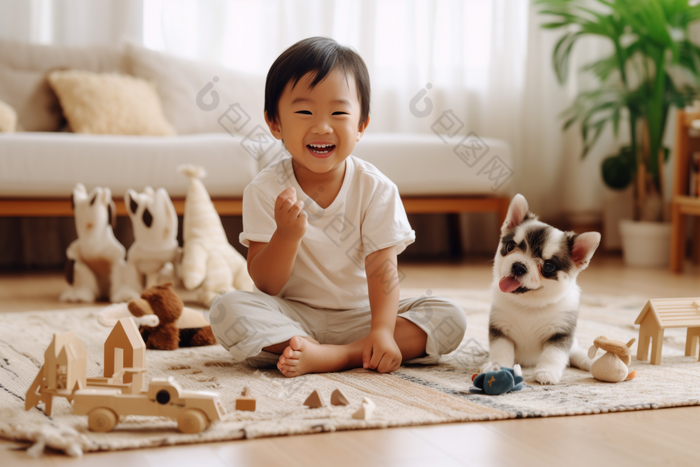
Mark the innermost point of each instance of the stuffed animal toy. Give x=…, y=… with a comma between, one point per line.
x=154, y=222
x=498, y=382
x=177, y=326
x=96, y=254
x=613, y=366
x=209, y=263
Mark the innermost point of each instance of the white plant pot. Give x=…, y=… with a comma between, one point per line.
x=646, y=244
x=617, y=205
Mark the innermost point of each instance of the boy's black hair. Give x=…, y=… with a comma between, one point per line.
x=319, y=55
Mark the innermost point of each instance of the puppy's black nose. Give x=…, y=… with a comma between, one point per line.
x=518, y=269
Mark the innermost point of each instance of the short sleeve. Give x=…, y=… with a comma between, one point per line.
x=385, y=222
x=258, y=217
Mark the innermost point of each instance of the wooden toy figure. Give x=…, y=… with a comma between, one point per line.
x=65, y=364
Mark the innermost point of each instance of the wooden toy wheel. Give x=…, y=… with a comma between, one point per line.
x=192, y=421
x=102, y=420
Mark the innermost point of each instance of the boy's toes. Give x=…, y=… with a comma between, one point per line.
x=291, y=354
x=296, y=343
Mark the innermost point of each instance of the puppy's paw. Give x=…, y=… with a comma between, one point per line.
x=547, y=376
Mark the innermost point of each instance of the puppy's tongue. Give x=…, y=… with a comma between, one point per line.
x=508, y=284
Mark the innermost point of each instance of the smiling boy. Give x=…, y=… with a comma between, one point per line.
x=325, y=265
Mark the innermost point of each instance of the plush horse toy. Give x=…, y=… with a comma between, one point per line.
x=154, y=222
x=96, y=254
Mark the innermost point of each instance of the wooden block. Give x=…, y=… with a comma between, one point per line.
x=366, y=410
x=338, y=398
x=245, y=403
x=314, y=400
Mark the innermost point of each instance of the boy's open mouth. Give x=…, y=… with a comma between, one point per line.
x=320, y=148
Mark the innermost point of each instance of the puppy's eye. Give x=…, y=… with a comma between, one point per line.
x=510, y=247
x=548, y=266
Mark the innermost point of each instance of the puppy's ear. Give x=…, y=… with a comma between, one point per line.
x=582, y=247
x=518, y=211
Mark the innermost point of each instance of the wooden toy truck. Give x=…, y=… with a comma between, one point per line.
x=194, y=411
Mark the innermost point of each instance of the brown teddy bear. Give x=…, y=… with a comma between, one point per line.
x=178, y=326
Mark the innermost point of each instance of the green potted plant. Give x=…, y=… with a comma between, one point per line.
x=653, y=65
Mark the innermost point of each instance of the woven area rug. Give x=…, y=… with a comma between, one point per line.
x=414, y=395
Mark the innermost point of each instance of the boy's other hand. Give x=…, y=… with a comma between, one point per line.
x=290, y=216
x=381, y=352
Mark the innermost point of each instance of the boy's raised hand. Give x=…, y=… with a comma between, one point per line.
x=290, y=216
x=381, y=352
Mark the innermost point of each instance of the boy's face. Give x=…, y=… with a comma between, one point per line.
x=327, y=115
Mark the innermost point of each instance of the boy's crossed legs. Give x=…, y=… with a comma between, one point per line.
x=301, y=355
x=265, y=330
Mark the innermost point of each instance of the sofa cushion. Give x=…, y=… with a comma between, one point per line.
x=109, y=103
x=427, y=164
x=188, y=106
x=23, y=84
x=49, y=164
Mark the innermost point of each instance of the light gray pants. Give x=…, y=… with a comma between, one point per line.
x=245, y=322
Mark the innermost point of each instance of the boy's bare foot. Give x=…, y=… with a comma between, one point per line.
x=303, y=356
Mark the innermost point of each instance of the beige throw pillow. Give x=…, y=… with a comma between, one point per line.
x=8, y=118
x=23, y=70
x=109, y=103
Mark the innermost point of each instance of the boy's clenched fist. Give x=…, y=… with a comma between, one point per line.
x=290, y=216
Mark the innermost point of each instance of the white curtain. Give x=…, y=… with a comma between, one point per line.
x=486, y=61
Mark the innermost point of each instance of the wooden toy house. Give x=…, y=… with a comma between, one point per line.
x=124, y=359
x=661, y=313
x=64, y=369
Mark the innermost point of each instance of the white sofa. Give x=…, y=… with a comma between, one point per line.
x=39, y=168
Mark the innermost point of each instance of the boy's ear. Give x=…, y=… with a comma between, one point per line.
x=361, y=130
x=274, y=127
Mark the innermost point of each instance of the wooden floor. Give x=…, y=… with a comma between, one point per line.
x=651, y=437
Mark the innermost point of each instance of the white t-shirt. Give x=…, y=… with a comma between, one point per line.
x=367, y=215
